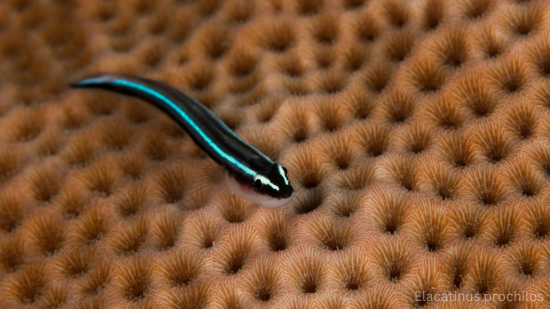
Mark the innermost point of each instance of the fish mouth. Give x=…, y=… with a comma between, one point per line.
x=287, y=193
x=276, y=203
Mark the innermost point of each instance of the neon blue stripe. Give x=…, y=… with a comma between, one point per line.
x=91, y=81
x=182, y=114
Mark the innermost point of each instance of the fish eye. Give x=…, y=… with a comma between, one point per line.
x=258, y=184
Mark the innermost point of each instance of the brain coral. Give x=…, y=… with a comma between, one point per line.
x=415, y=132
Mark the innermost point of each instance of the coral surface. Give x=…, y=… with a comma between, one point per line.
x=416, y=134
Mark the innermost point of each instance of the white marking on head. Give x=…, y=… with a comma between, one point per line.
x=283, y=174
x=265, y=181
x=248, y=193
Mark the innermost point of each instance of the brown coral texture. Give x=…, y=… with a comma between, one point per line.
x=416, y=134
